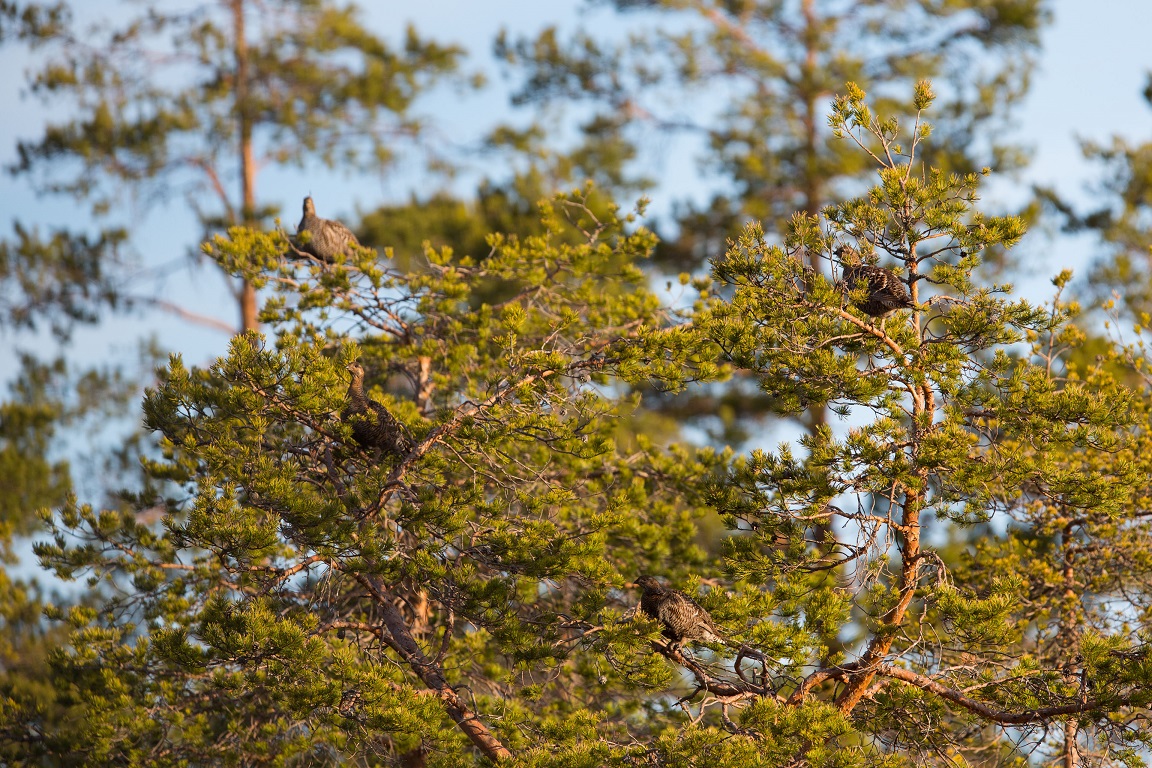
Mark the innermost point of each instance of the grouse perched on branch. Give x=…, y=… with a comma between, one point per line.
x=326, y=239
x=682, y=618
x=884, y=293
x=373, y=426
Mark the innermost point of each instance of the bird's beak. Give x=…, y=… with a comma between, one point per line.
x=630, y=585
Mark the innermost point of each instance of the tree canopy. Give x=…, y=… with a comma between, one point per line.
x=200, y=97
x=308, y=600
x=752, y=80
x=499, y=488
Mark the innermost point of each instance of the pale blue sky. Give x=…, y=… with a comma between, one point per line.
x=1092, y=72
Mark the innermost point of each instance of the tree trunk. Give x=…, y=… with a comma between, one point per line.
x=247, y=292
x=248, y=307
x=1070, y=743
x=813, y=191
x=1069, y=638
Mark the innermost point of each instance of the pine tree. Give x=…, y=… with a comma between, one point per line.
x=175, y=96
x=482, y=557
x=466, y=603
x=754, y=77
x=969, y=413
x=749, y=81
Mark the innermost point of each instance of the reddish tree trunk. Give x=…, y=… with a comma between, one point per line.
x=247, y=291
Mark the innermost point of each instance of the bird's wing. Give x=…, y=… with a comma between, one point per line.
x=672, y=609
x=338, y=230
x=706, y=624
x=686, y=617
x=893, y=291
x=881, y=286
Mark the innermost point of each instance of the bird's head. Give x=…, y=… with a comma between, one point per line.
x=355, y=369
x=649, y=584
x=309, y=207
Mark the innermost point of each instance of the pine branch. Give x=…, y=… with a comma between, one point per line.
x=986, y=711
x=187, y=314
x=711, y=683
x=433, y=676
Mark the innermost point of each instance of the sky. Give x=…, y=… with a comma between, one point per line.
x=1093, y=71
x=1089, y=84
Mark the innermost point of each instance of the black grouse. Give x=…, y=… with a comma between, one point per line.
x=884, y=293
x=373, y=426
x=682, y=618
x=326, y=239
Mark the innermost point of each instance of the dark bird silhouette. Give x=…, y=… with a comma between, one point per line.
x=327, y=239
x=682, y=617
x=884, y=291
x=373, y=426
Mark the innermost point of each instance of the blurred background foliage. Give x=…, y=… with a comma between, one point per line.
x=215, y=107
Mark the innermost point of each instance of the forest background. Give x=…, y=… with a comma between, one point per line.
x=459, y=119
